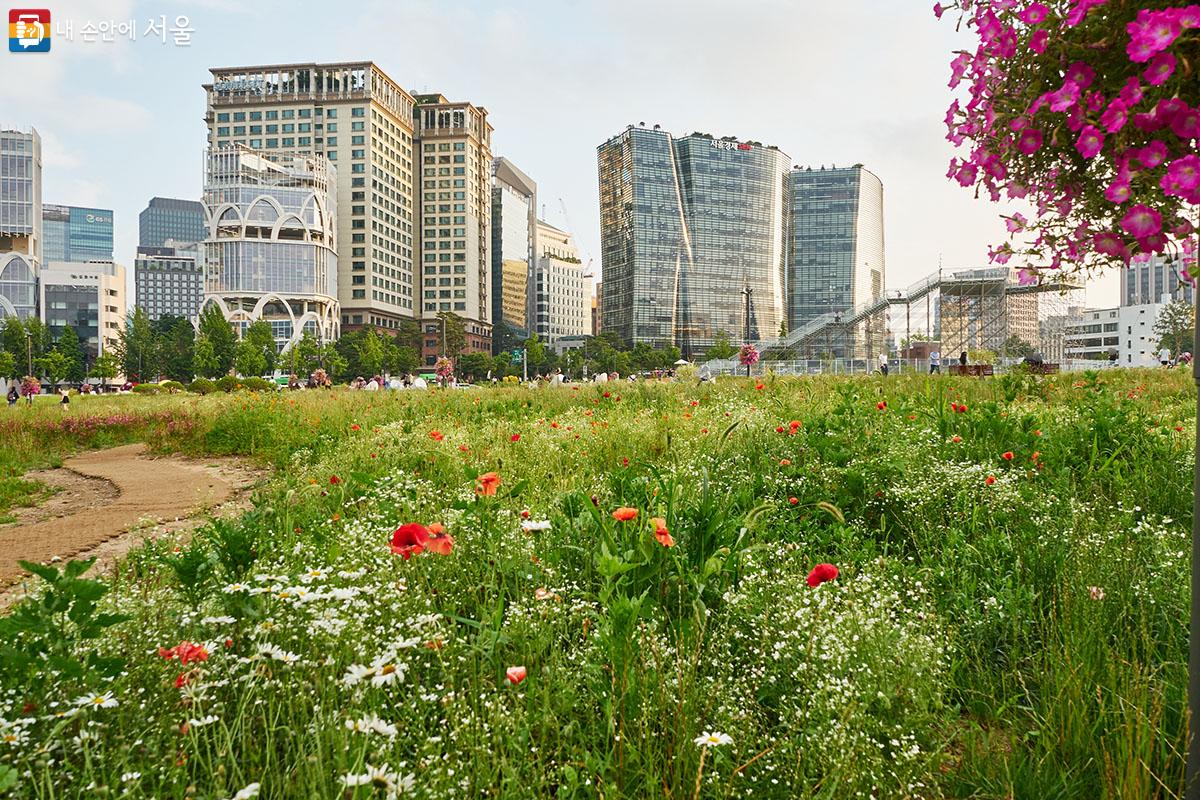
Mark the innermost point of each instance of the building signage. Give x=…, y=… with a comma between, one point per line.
x=243, y=85
x=98, y=218
x=726, y=145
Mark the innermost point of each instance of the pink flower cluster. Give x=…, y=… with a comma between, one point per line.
x=1102, y=142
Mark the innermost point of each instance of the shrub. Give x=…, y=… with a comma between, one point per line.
x=171, y=386
x=147, y=388
x=227, y=384
x=202, y=386
x=258, y=385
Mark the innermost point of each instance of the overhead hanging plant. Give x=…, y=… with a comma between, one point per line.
x=1088, y=110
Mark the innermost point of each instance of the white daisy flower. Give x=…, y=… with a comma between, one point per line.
x=388, y=672
x=356, y=674
x=130, y=776
x=200, y=723
x=530, y=525
x=104, y=700
x=713, y=739
x=249, y=792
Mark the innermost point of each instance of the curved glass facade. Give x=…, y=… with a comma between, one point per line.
x=687, y=225
x=835, y=246
x=270, y=251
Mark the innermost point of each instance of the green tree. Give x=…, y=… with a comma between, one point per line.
x=409, y=335
x=214, y=327
x=204, y=359
x=106, y=367
x=721, y=347
x=405, y=359
x=505, y=338
x=455, y=336
x=535, y=351
x=474, y=366
x=137, y=347
x=372, y=353
x=303, y=357
x=1016, y=347
x=54, y=365
x=176, y=345
x=8, y=364
x=12, y=338
x=69, y=345
x=1176, y=326
x=262, y=338
x=248, y=359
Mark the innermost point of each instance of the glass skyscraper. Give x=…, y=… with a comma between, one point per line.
x=168, y=218
x=76, y=234
x=514, y=233
x=20, y=221
x=835, y=241
x=687, y=226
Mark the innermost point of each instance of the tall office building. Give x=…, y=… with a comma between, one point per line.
x=169, y=281
x=362, y=121
x=835, y=242
x=70, y=233
x=88, y=297
x=454, y=141
x=272, y=249
x=514, y=235
x=1151, y=280
x=20, y=221
x=562, y=293
x=168, y=219
x=690, y=228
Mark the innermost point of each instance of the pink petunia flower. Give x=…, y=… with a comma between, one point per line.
x=1160, y=69
x=1141, y=221
x=1030, y=141
x=1090, y=141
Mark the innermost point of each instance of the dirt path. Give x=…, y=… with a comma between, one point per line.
x=105, y=494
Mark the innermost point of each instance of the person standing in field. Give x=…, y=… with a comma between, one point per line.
x=935, y=362
x=66, y=399
x=1164, y=356
x=883, y=364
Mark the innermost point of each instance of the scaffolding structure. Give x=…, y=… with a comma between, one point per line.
x=975, y=310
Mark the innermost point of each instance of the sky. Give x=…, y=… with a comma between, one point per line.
x=856, y=81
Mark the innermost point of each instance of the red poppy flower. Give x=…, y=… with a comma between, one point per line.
x=515, y=675
x=881, y=405
x=185, y=651
x=821, y=573
x=625, y=514
x=334, y=480
x=1008, y=455
x=793, y=500
x=785, y=462
x=516, y=437
x=779, y=429
x=354, y=427
x=607, y=394
x=759, y=386
x=1036, y=455
x=181, y=680
x=439, y=542
x=661, y=533
x=410, y=539
x=624, y=461
x=437, y=436
x=795, y=425
x=989, y=480
x=956, y=438
x=488, y=482
x=962, y=408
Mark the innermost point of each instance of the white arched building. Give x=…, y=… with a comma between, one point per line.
x=271, y=241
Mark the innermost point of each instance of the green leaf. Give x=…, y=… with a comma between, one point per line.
x=46, y=573
x=76, y=568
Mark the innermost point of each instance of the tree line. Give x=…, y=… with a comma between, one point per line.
x=174, y=348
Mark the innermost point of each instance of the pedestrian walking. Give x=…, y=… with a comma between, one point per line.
x=935, y=362
x=13, y=396
x=883, y=364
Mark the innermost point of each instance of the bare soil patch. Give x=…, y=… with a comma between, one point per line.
x=106, y=496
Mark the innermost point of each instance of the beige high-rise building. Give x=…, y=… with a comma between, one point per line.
x=454, y=142
x=362, y=121
x=87, y=296
x=562, y=290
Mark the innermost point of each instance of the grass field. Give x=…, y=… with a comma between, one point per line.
x=633, y=596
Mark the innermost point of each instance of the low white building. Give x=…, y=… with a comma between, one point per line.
x=562, y=291
x=1126, y=330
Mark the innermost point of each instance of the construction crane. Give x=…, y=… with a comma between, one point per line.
x=587, y=269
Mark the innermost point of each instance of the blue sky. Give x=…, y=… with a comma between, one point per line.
x=828, y=82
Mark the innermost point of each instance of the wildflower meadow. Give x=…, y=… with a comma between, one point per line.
x=765, y=588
